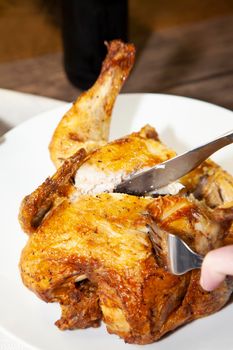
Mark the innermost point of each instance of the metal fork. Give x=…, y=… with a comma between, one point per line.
x=174, y=253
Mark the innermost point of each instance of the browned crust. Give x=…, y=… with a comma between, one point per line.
x=210, y=183
x=149, y=299
x=35, y=206
x=179, y=216
x=119, y=54
x=79, y=304
x=224, y=212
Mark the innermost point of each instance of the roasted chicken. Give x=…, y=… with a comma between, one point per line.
x=89, y=248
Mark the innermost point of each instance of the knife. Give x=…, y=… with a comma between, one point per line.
x=151, y=180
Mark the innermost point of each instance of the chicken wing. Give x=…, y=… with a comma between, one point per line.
x=52, y=192
x=86, y=124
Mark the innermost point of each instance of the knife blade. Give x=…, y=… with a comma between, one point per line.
x=163, y=174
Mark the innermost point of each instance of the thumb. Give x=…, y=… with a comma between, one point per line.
x=216, y=265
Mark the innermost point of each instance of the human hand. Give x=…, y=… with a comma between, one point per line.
x=216, y=265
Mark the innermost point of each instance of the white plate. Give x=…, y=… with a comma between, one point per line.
x=182, y=123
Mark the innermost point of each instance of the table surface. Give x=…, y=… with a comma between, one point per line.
x=192, y=60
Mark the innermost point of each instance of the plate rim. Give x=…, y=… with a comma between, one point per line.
x=127, y=94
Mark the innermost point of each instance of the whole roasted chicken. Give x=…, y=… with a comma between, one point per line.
x=89, y=248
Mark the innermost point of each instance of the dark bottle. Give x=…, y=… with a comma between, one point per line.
x=86, y=24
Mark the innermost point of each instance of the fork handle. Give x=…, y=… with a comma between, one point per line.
x=197, y=261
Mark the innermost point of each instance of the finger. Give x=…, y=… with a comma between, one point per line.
x=216, y=265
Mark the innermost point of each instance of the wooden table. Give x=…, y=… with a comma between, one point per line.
x=195, y=60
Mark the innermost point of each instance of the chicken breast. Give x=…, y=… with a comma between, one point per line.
x=99, y=171
x=105, y=168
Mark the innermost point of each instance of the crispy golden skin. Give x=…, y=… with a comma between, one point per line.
x=195, y=224
x=86, y=124
x=131, y=153
x=213, y=186
x=51, y=193
x=104, y=238
x=50, y=258
x=188, y=219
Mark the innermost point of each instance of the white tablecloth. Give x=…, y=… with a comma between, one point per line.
x=15, y=108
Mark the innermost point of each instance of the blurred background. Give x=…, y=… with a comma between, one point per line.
x=184, y=47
